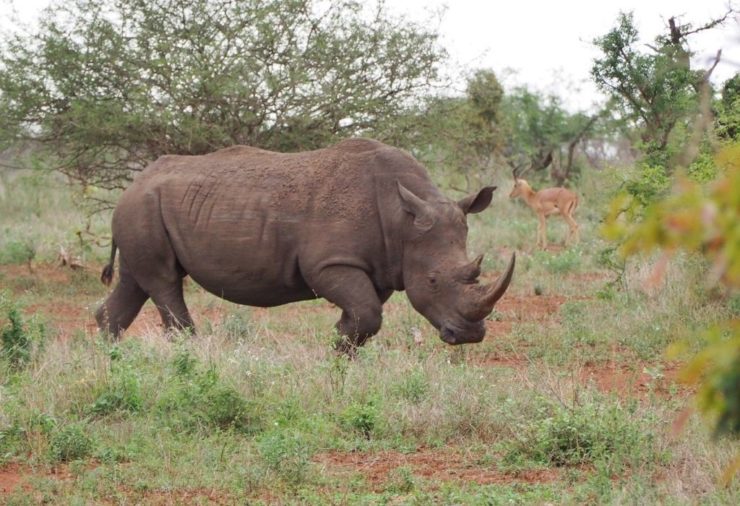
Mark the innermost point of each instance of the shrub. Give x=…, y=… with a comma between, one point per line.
x=11, y=439
x=581, y=435
x=224, y=407
x=414, y=387
x=286, y=452
x=703, y=169
x=121, y=393
x=184, y=363
x=651, y=183
x=361, y=417
x=198, y=398
x=70, y=443
x=17, y=252
x=15, y=342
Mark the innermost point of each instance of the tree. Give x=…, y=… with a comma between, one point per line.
x=462, y=134
x=106, y=86
x=727, y=110
x=540, y=130
x=656, y=91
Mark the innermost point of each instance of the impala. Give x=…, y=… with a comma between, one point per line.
x=545, y=203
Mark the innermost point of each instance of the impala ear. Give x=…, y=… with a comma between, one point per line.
x=477, y=202
x=417, y=207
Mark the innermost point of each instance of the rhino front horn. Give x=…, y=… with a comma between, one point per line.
x=495, y=291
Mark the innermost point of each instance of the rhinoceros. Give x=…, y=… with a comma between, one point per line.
x=351, y=223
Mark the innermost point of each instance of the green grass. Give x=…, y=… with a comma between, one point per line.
x=248, y=410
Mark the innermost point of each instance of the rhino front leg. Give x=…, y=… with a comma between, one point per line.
x=362, y=307
x=172, y=309
x=164, y=286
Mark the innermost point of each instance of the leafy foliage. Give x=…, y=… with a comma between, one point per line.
x=728, y=110
x=651, y=183
x=18, y=337
x=13, y=252
x=701, y=219
x=121, y=394
x=286, y=452
x=361, y=417
x=718, y=367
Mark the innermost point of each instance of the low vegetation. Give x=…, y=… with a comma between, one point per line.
x=570, y=399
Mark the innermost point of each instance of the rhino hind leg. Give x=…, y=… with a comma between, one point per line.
x=121, y=307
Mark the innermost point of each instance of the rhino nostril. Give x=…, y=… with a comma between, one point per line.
x=448, y=334
x=468, y=333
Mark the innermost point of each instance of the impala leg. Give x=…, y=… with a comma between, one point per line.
x=542, y=231
x=573, y=233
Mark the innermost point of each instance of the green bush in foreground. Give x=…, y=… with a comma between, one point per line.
x=199, y=398
x=121, y=394
x=15, y=343
x=287, y=453
x=581, y=435
x=70, y=443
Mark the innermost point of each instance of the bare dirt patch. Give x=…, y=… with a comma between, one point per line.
x=430, y=464
x=15, y=477
x=69, y=319
x=181, y=496
x=523, y=308
x=48, y=273
x=634, y=380
x=530, y=308
x=11, y=478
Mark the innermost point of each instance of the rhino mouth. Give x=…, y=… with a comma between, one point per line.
x=452, y=333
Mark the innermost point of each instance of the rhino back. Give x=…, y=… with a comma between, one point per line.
x=250, y=224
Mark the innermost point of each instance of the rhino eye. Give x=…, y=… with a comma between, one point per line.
x=432, y=280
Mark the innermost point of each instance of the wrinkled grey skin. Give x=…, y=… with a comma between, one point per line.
x=350, y=223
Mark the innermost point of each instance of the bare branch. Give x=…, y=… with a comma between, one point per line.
x=10, y=166
x=709, y=25
x=708, y=72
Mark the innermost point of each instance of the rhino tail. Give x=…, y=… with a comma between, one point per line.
x=106, y=277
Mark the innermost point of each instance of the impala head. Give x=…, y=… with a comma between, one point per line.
x=521, y=187
x=440, y=281
x=539, y=162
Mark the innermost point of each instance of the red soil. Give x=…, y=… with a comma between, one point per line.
x=434, y=465
x=11, y=477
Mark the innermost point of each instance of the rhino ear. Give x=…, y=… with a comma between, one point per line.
x=477, y=202
x=417, y=207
